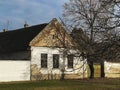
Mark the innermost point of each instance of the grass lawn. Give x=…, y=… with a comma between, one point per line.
x=96, y=84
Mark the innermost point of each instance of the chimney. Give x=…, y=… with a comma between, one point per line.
x=26, y=25
x=5, y=30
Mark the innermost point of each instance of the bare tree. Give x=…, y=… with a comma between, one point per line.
x=98, y=20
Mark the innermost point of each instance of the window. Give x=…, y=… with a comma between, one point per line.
x=70, y=61
x=55, y=61
x=43, y=60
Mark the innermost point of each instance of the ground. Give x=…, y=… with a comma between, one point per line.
x=94, y=84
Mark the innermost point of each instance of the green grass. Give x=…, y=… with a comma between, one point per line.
x=96, y=84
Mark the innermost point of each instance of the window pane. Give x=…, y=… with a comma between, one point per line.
x=70, y=61
x=55, y=61
x=43, y=60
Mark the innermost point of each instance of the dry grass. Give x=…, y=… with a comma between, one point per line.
x=97, y=70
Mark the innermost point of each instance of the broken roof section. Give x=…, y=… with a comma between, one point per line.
x=53, y=35
x=18, y=40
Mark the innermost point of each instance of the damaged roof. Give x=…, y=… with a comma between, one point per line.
x=19, y=39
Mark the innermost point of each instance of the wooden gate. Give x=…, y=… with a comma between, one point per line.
x=97, y=70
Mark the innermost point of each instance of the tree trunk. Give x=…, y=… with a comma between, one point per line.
x=62, y=75
x=63, y=66
x=102, y=70
x=91, y=69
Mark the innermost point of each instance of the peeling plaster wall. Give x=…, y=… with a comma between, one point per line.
x=39, y=73
x=112, y=70
x=14, y=70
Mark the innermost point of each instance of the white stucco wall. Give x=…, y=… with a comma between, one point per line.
x=14, y=70
x=36, y=57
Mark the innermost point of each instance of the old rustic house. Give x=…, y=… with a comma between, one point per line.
x=40, y=52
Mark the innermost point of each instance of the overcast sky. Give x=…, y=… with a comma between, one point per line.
x=14, y=13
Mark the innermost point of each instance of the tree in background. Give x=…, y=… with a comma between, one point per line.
x=98, y=20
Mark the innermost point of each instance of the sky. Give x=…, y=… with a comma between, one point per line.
x=14, y=13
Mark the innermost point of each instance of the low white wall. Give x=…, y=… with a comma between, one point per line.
x=112, y=70
x=14, y=70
